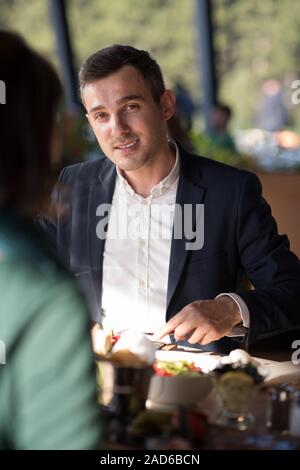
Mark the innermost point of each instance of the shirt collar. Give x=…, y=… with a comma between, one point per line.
x=164, y=185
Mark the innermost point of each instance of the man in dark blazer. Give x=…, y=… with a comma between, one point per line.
x=128, y=108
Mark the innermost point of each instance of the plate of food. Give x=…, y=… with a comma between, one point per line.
x=177, y=383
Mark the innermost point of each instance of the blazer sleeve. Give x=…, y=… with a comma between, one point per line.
x=269, y=264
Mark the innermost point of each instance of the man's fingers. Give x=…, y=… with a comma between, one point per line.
x=207, y=339
x=198, y=322
x=184, y=330
x=165, y=330
x=197, y=336
x=202, y=337
x=169, y=327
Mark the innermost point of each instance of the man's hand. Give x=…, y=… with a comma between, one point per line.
x=203, y=321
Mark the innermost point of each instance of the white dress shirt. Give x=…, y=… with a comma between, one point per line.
x=137, y=254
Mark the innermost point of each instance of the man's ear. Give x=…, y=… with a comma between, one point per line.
x=168, y=103
x=88, y=118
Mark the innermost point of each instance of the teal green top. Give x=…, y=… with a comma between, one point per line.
x=47, y=385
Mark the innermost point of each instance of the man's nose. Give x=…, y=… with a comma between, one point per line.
x=120, y=126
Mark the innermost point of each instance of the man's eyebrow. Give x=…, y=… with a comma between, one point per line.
x=96, y=108
x=129, y=98
x=124, y=99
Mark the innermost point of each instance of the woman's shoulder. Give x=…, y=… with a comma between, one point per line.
x=23, y=242
x=32, y=279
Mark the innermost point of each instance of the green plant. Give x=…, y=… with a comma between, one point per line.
x=205, y=146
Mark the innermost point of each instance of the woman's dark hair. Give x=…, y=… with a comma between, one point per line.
x=111, y=59
x=27, y=119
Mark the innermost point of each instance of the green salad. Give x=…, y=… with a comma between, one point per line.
x=170, y=368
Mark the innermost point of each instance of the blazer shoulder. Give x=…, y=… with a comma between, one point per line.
x=84, y=171
x=220, y=172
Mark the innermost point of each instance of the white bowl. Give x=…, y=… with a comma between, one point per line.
x=169, y=392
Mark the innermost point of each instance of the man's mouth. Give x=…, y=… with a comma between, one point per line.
x=127, y=145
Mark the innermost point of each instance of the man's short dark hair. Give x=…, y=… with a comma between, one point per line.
x=111, y=59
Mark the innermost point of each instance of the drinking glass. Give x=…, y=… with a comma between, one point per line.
x=237, y=391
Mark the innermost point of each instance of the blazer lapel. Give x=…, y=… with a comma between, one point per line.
x=189, y=192
x=101, y=192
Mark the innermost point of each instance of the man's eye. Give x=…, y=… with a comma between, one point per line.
x=100, y=116
x=131, y=107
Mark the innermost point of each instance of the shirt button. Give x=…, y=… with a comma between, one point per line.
x=142, y=243
x=142, y=283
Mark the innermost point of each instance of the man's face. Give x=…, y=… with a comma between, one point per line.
x=129, y=125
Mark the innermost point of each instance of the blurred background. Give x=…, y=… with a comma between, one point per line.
x=234, y=65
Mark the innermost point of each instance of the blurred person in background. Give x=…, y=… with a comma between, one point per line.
x=272, y=113
x=181, y=122
x=185, y=106
x=219, y=132
x=47, y=385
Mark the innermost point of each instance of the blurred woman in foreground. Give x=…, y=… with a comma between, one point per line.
x=47, y=381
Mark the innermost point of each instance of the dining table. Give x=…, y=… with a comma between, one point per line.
x=281, y=372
